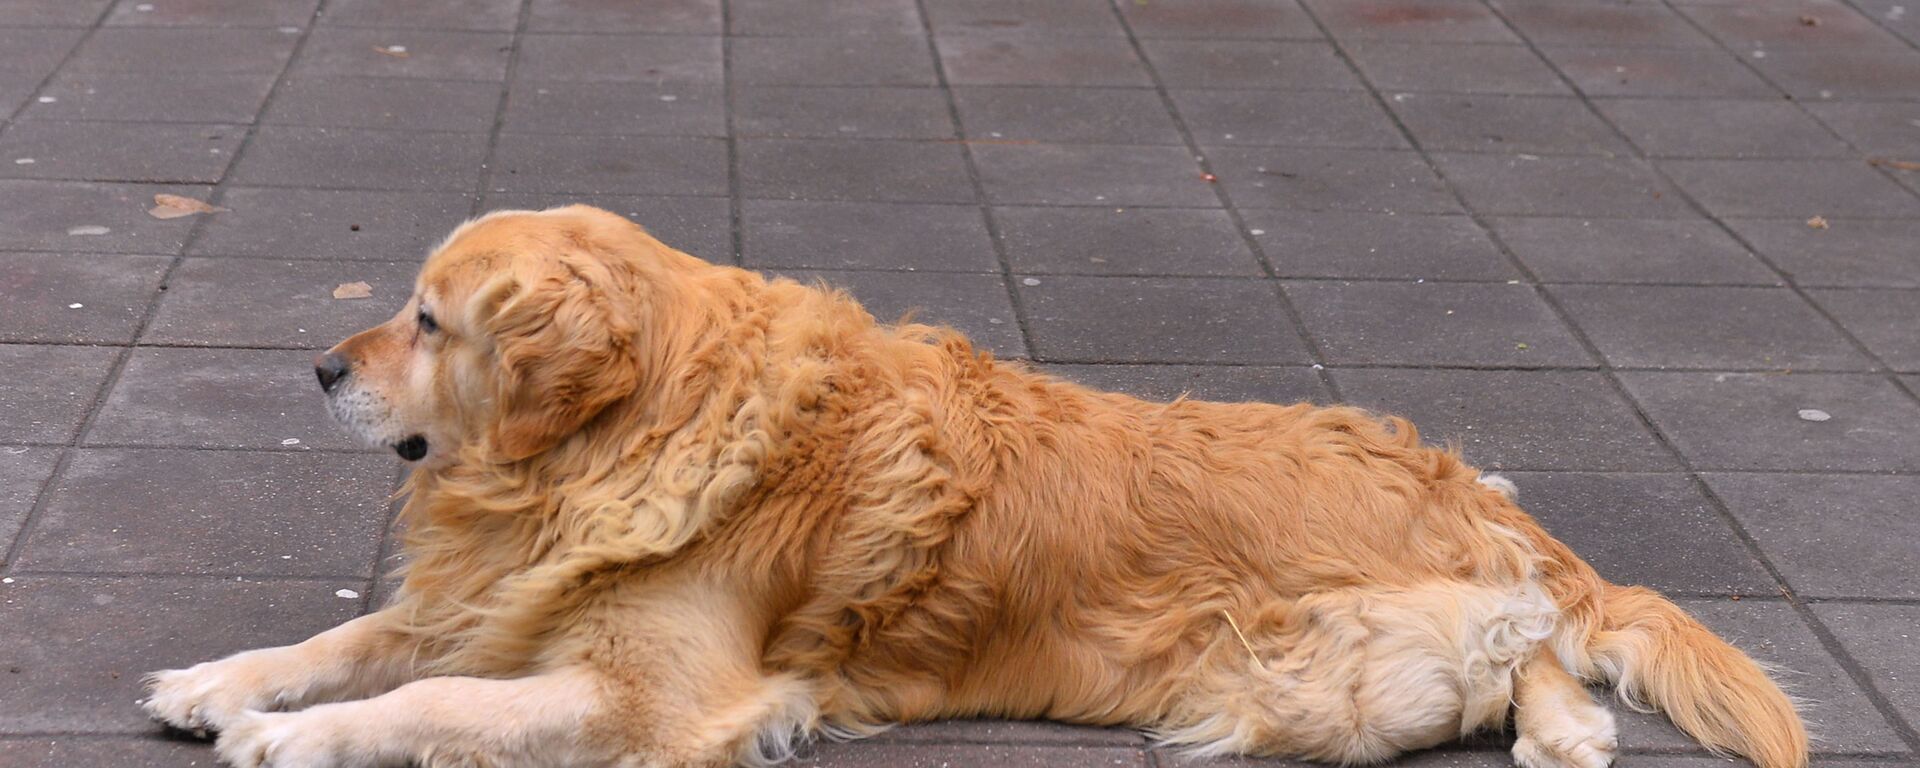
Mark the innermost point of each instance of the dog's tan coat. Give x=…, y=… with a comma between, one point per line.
x=678, y=514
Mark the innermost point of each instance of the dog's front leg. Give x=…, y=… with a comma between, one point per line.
x=553, y=720
x=360, y=658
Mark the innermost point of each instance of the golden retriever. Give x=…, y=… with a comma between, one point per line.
x=667, y=513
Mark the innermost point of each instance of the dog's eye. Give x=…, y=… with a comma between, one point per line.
x=427, y=323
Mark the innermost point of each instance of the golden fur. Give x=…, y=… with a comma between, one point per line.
x=678, y=514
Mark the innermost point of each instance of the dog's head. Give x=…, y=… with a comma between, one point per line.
x=523, y=326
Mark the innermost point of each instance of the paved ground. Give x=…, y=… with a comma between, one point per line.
x=1574, y=237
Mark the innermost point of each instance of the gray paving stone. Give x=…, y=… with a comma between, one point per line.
x=334, y=51
x=1287, y=118
x=627, y=109
x=854, y=170
x=212, y=13
x=863, y=61
x=1435, y=758
x=1891, y=15
x=874, y=755
x=1065, y=174
x=1749, y=421
x=158, y=50
x=199, y=98
x=1651, y=72
x=82, y=644
x=1228, y=384
x=1779, y=26
x=155, y=750
x=1846, y=253
x=1880, y=638
x=1882, y=320
x=1258, y=70
x=170, y=153
x=1711, y=128
x=1813, y=75
x=15, y=88
x=217, y=398
x=1454, y=324
x=1705, y=761
x=466, y=15
x=1733, y=188
x=782, y=234
x=23, y=471
x=1425, y=21
x=49, y=389
x=620, y=59
x=650, y=165
x=76, y=298
x=823, y=17
x=1567, y=420
x=71, y=13
x=1377, y=245
x=262, y=303
x=322, y=224
x=1090, y=115
x=1429, y=68
x=1008, y=732
x=681, y=17
x=1561, y=186
x=1034, y=60
x=1631, y=251
x=1830, y=535
x=1121, y=241
x=1059, y=17
x=829, y=112
x=1653, y=530
x=702, y=226
x=1602, y=24
x=386, y=102
x=1835, y=709
x=255, y=513
x=1387, y=181
x=44, y=215
x=1707, y=327
x=1886, y=128
x=1249, y=64
x=288, y=155
x=1158, y=320
x=1534, y=125
x=976, y=305
x=1220, y=19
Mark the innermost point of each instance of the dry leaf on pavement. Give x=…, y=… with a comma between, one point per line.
x=358, y=290
x=167, y=206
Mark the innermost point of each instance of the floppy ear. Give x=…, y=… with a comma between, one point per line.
x=565, y=352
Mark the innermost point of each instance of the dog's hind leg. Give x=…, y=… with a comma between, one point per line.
x=1363, y=674
x=1559, y=723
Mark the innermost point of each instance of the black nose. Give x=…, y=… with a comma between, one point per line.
x=330, y=368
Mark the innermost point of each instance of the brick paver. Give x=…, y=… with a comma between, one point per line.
x=1570, y=236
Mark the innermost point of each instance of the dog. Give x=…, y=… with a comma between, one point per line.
x=668, y=513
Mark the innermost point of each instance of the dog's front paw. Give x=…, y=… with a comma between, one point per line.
x=314, y=738
x=208, y=696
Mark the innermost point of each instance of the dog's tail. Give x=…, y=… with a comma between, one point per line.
x=1659, y=657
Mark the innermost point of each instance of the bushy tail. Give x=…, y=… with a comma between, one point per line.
x=1658, y=656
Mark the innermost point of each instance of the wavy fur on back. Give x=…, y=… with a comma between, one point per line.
x=893, y=526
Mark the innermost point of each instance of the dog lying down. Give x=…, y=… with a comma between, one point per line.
x=667, y=513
